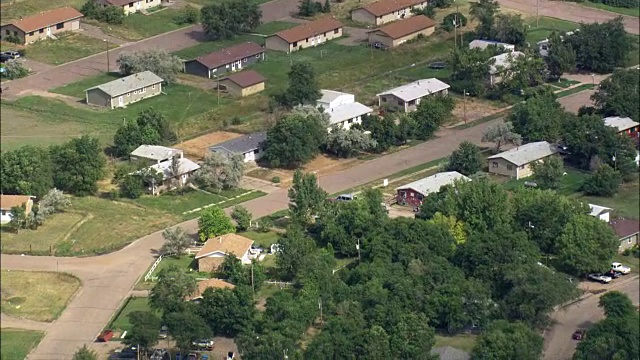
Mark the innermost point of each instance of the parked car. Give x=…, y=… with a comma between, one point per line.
x=618, y=267
x=612, y=274
x=203, y=344
x=164, y=330
x=159, y=354
x=438, y=65
x=579, y=334
x=192, y=356
x=11, y=54
x=4, y=58
x=105, y=336
x=600, y=278
x=346, y=197
x=231, y=355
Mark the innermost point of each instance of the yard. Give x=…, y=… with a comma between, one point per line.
x=67, y=47
x=15, y=9
x=16, y=344
x=262, y=239
x=121, y=321
x=626, y=203
x=43, y=240
x=185, y=262
x=546, y=26
x=570, y=183
x=138, y=26
x=24, y=292
x=461, y=341
x=274, y=27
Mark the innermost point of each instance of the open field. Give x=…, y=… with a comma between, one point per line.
x=198, y=147
x=138, y=26
x=461, y=341
x=46, y=238
x=121, y=322
x=322, y=164
x=15, y=9
x=16, y=344
x=39, y=296
x=67, y=47
x=262, y=239
x=626, y=203
x=617, y=10
x=273, y=27
x=545, y=27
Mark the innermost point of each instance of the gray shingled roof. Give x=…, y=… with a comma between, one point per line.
x=417, y=89
x=129, y=83
x=241, y=144
x=154, y=152
x=433, y=183
x=527, y=153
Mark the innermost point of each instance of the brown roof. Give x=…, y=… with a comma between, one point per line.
x=209, y=283
x=384, y=7
x=309, y=29
x=116, y=2
x=228, y=55
x=228, y=244
x=406, y=26
x=44, y=19
x=9, y=201
x=246, y=78
x=625, y=227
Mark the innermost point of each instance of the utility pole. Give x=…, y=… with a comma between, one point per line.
x=252, y=286
x=455, y=30
x=464, y=105
x=108, y=63
x=537, y=13
x=217, y=88
x=320, y=306
x=358, y=248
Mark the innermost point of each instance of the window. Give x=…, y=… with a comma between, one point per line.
x=8, y=32
x=403, y=194
x=494, y=164
x=412, y=102
x=336, y=31
x=227, y=66
x=384, y=99
x=41, y=31
x=143, y=90
x=295, y=43
x=412, y=194
x=509, y=167
x=31, y=33
x=307, y=40
x=128, y=94
x=325, y=34
x=130, y=4
x=153, y=86
x=15, y=33
x=135, y=92
x=256, y=151
x=420, y=197
x=400, y=102
x=628, y=240
x=245, y=60
x=257, y=56
x=59, y=26
x=4, y=212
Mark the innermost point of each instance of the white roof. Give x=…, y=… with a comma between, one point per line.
x=527, y=153
x=502, y=60
x=433, y=183
x=482, y=44
x=331, y=95
x=417, y=89
x=620, y=123
x=345, y=112
x=129, y=83
x=596, y=210
x=164, y=167
x=154, y=152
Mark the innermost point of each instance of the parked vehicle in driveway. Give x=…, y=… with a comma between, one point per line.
x=206, y=344
x=192, y=356
x=164, y=330
x=618, y=267
x=12, y=54
x=346, y=197
x=159, y=354
x=612, y=274
x=579, y=334
x=438, y=65
x=600, y=278
x=105, y=336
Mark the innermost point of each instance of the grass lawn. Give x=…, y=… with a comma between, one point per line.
x=262, y=239
x=630, y=260
x=77, y=89
x=617, y=10
x=211, y=46
x=16, y=344
x=68, y=47
x=12, y=10
x=121, y=322
x=545, y=27
x=45, y=238
x=138, y=26
x=575, y=90
x=570, y=183
x=273, y=27
x=462, y=341
x=563, y=83
x=185, y=262
x=626, y=203
x=35, y=295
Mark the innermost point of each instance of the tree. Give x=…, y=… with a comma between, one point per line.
x=236, y=273
x=430, y=114
x=220, y=171
x=176, y=241
x=227, y=19
x=84, y=353
x=467, y=159
x=561, y=57
x=469, y=69
x=411, y=338
x=78, y=165
x=144, y=329
x=617, y=95
x=505, y=341
x=549, y=172
x=501, y=134
x=586, y=244
x=131, y=186
x=214, y=222
x=539, y=118
x=171, y=289
x=484, y=11
x=376, y=344
x=187, y=15
x=242, y=217
x=348, y=143
x=510, y=29
x=186, y=327
x=54, y=201
x=309, y=8
x=383, y=131
x=26, y=170
x=159, y=62
x=601, y=47
x=605, y=182
x=303, y=86
x=295, y=247
x=18, y=218
x=226, y=311
x=15, y=70
x=525, y=71
x=455, y=227
x=453, y=20
x=306, y=198
x=616, y=304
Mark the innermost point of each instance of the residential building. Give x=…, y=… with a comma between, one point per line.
x=407, y=97
x=125, y=91
x=545, y=45
x=628, y=231
x=130, y=6
x=154, y=154
x=305, y=35
x=8, y=202
x=331, y=99
x=243, y=84
x=516, y=163
x=483, y=44
x=386, y=11
x=206, y=284
x=251, y=147
x=229, y=59
x=161, y=158
x=347, y=115
x=414, y=193
x=212, y=254
x=624, y=125
x=450, y=353
x=42, y=26
x=600, y=212
x=499, y=69
x=401, y=31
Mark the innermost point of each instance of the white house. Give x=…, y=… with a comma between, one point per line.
x=407, y=97
x=161, y=158
x=331, y=99
x=212, y=254
x=483, y=44
x=154, y=153
x=499, y=69
x=600, y=212
x=251, y=146
x=7, y=202
x=343, y=109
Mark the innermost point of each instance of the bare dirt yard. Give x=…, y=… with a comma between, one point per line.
x=321, y=165
x=198, y=147
x=473, y=108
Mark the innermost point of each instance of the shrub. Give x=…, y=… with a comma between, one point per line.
x=275, y=180
x=188, y=15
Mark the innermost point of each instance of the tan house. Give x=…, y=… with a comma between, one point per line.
x=7, y=202
x=130, y=6
x=407, y=97
x=306, y=35
x=627, y=231
x=44, y=25
x=125, y=91
x=399, y=32
x=516, y=163
x=206, y=284
x=386, y=11
x=243, y=83
x=212, y=254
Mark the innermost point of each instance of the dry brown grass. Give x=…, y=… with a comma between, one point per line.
x=475, y=109
x=321, y=165
x=198, y=147
x=35, y=295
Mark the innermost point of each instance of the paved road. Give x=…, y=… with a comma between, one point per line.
x=558, y=342
x=571, y=12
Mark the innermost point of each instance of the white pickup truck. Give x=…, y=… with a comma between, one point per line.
x=618, y=267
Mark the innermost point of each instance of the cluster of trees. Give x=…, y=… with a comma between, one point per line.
x=149, y=128
x=303, y=87
x=493, y=25
x=187, y=15
x=159, y=62
x=631, y=4
x=109, y=14
x=14, y=69
x=54, y=201
x=225, y=20
x=453, y=20
x=220, y=171
x=309, y=8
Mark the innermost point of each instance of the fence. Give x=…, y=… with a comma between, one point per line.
x=153, y=267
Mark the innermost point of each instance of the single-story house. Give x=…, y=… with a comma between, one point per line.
x=186, y=168
x=450, y=353
x=415, y=192
x=331, y=99
x=628, y=231
x=130, y=6
x=346, y=115
x=516, y=163
x=44, y=25
x=305, y=35
x=229, y=59
x=401, y=31
x=407, y=97
x=624, y=125
x=209, y=283
x=600, y=212
x=250, y=146
x=545, y=45
x=154, y=154
x=385, y=11
x=124, y=91
x=212, y=254
x=483, y=44
x=7, y=202
x=499, y=69
x=243, y=84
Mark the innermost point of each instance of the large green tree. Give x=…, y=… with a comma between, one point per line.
x=485, y=12
x=507, y=341
x=26, y=171
x=214, y=222
x=227, y=19
x=604, y=182
x=144, y=329
x=149, y=128
x=303, y=86
x=469, y=69
x=618, y=95
x=78, y=165
x=561, y=57
x=294, y=249
x=501, y=134
x=539, y=118
x=510, y=29
x=226, y=311
x=411, y=337
x=467, y=159
x=186, y=327
x=549, y=172
x=431, y=113
x=171, y=289
x=306, y=198
x=601, y=47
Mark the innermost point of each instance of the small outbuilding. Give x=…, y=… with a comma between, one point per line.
x=401, y=31
x=415, y=192
x=243, y=84
x=125, y=91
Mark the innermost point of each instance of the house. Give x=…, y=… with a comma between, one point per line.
x=483, y=44
x=346, y=115
x=600, y=212
x=7, y=202
x=250, y=146
x=130, y=6
x=386, y=11
x=331, y=99
x=450, y=353
x=125, y=91
x=407, y=97
x=154, y=154
x=206, y=284
x=229, y=59
x=44, y=25
x=624, y=125
x=401, y=31
x=501, y=64
x=306, y=35
x=243, y=84
x=516, y=163
x=161, y=158
x=414, y=193
x=212, y=254
x=628, y=231
x=545, y=45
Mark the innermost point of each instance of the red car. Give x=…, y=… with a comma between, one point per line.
x=105, y=335
x=579, y=334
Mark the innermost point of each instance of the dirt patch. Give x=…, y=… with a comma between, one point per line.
x=198, y=147
x=475, y=109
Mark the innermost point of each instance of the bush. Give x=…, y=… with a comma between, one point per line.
x=15, y=69
x=132, y=186
x=604, y=182
x=110, y=14
x=447, y=22
x=265, y=224
x=275, y=180
x=188, y=15
x=12, y=39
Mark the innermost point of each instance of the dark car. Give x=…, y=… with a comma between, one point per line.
x=438, y=65
x=612, y=274
x=579, y=334
x=12, y=54
x=4, y=58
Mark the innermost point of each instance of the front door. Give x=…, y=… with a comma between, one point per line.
x=138, y=5
x=120, y=101
x=49, y=31
x=239, y=64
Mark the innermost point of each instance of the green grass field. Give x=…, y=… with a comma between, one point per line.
x=626, y=203
x=21, y=8
x=185, y=262
x=121, y=322
x=68, y=47
x=570, y=183
x=617, y=10
x=462, y=341
x=211, y=46
x=273, y=27
x=16, y=344
x=262, y=239
x=545, y=27
x=139, y=26
x=43, y=240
